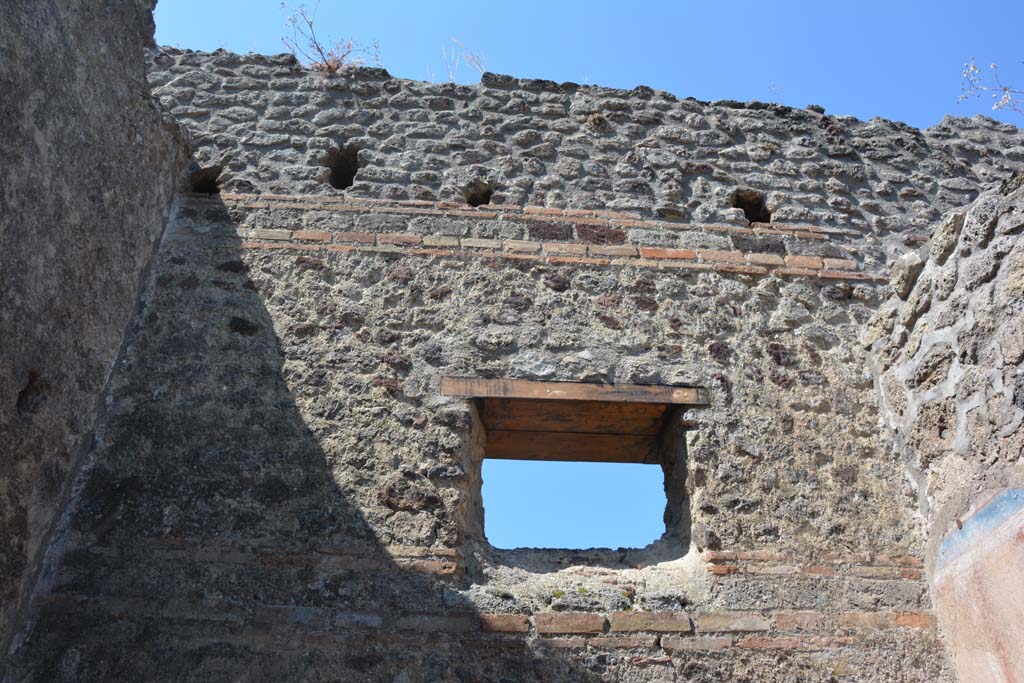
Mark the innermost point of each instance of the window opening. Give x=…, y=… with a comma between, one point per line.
x=559, y=436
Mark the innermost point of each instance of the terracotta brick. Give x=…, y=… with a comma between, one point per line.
x=809, y=235
x=740, y=269
x=440, y=241
x=717, y=556
x=619, y=250
x=820, y=570
x=847, y=275
x=914, y=619
x=794, y=272
x=522, y=246
x=731, y=622
x=761, y=643
x=665, y=253
x=519, y=257
x=864, y=620
x=280, y=245
x=569, y=622
x=661, y=622
x=505, y=623
x=312, y=235
x=911, y=574
x=724, y=569
x=477, y=243
x=684, y=265
x=398, y=238
x=382, y=249
x=565, y=248
x=765, y=259
x=766, y=231
x=358, y=237
x=628, y=642
x=472, y=213
x=675, y=643
x=902, y=560
x=543, y=210
x=650, y=661
x=763, y=556
x=872, y=572
x=800, y=620
x=771, y=569
x=448, y=623
x=571, y=643
x=437, y=567
x=430, y=252
x=723, y=256
x=270, y=234
x=851, y=558
x=582, y=261
x=339, y=247
x=839, y=264
x=796, y=261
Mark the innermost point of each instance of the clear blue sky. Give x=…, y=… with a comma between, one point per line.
x=897, y=59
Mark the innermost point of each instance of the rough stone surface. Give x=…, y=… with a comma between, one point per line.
x=950, y=364
x=949, y=360
x=280, y=490
x=88, y=173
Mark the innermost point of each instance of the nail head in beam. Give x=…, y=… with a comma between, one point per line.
x=473, y=387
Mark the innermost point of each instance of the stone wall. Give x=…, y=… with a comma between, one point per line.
x=89, y=168
x=281, y=491
x=948, y=347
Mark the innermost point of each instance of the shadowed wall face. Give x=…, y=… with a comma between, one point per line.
x=89, y=168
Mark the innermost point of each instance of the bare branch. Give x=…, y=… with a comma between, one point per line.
x=307, y=46
x=972, y=84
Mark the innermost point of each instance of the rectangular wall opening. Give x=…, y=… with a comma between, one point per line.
x=577, y=466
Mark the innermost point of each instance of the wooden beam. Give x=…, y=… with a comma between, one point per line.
x=473, y=387
x=594, y=417
x=569, y=446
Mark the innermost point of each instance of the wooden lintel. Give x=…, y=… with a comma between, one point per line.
x=593, y=417
x=472, y=387
x=570, y=446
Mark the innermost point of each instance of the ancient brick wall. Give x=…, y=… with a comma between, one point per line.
x=282, y=491
x=88, y=172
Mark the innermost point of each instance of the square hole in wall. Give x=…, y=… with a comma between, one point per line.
x=575, y=465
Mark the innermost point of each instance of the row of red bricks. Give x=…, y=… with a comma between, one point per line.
x=555, y=249
x=788, y=630
x=726, y=262
x=448, y=561
x=586, y=623
x=905, y=567
x=616, y=219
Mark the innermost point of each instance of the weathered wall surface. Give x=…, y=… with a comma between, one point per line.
x=281, y=492
x=949, y=347
x=87, y=175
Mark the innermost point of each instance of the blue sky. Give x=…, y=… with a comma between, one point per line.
x=897, y=59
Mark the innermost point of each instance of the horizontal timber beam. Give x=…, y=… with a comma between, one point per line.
x=568, y=446
x=473, y=387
